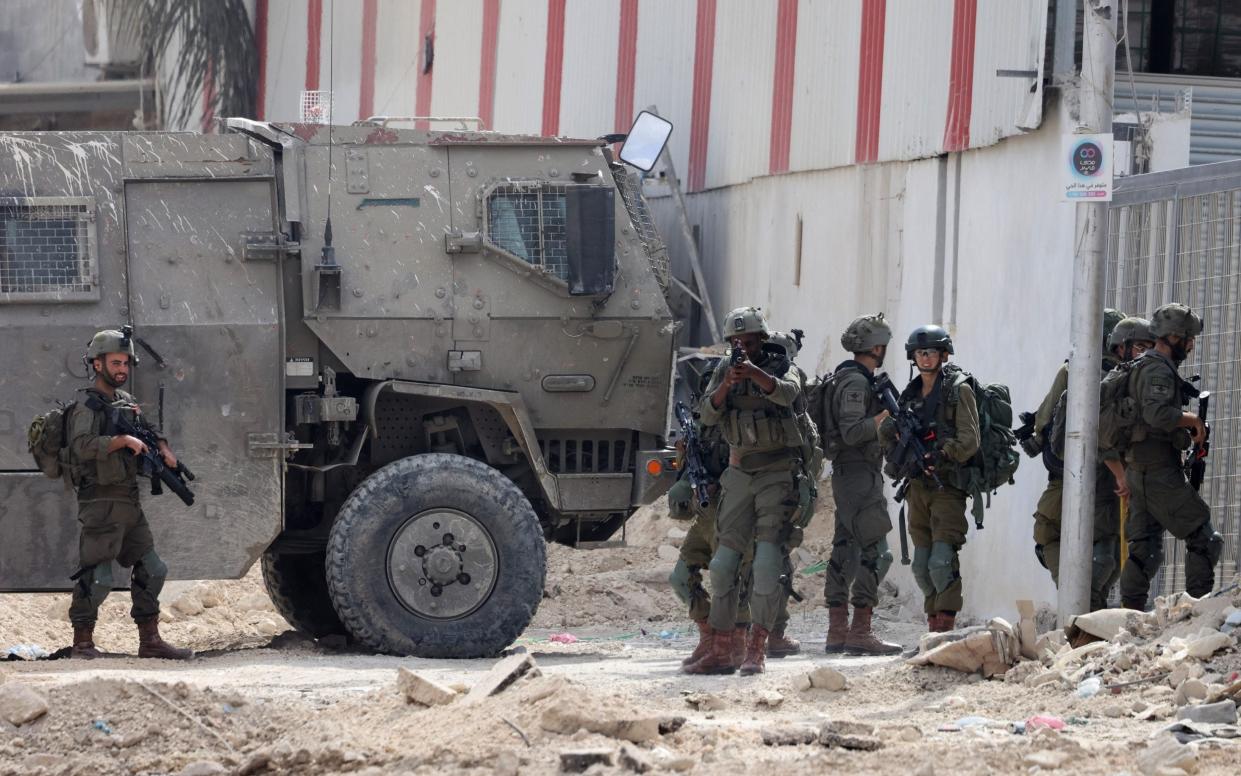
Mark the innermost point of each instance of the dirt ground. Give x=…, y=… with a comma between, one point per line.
x=260, y=700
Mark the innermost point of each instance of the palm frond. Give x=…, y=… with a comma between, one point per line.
x=212, y=42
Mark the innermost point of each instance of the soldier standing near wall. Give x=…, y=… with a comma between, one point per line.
x=105, y=472
x=751, y=396
x=1160, y=497
x=1048, y=428
x=947, y=408
x=849, y=426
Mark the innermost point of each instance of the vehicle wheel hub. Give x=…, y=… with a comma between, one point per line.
x=442, y=564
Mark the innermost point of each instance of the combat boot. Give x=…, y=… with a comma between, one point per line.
x=861, y=639
x=740, y=634
x=837, y=629
x=947, y=621
x=780, y=645
x=932, y=623
x=719, y=658
x=756, y=652
x=151, y=645
x=704, y=643
x=84, y=643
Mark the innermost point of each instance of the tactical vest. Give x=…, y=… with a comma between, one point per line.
x=755, y=424
x=115, y=477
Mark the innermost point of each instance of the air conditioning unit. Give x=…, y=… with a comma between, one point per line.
x=106, y=44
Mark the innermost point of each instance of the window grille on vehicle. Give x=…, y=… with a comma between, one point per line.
x=47, y=249
x=630, y=188
x=528, y=220
x=592, y=451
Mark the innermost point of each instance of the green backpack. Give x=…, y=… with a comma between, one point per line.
x=47, y=441
x=997, y=458
x=1118, y=410
x=820, y=398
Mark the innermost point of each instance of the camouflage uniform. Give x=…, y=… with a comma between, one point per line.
x=1160, y=497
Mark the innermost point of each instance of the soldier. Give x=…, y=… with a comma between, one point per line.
x=751, y=398
x=1105, y=557
x=105, y=473
x=699, y=543
x=1159, y=496
x=947, y=407
x=851, y=415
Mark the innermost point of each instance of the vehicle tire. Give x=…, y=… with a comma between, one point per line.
x=436, y=555
x=297, y=584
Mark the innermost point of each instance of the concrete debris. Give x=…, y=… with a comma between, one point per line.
x=1206, y=646
x=20, y=705
x=1189, y=690
x=1165, y=751
x=634, y=759
x=421, y=690
x=705, y=701
x=1048, y=759
x=789, y=736
x=501, y=676
x=612, y=720
x=1046, y=677
x=203, y=768
x=1219, y=713
x=1024, y=671
x=769, y=699
x=257, y=762
x=667, y=552
x=1049, y=644
x=1027, y=629
x=857, y=736
x=988, y=649
x=823, y=678
x=579, y=760
x=1105, y=623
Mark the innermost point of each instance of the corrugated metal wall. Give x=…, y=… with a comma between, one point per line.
x=1215, y=131
x=926, y=68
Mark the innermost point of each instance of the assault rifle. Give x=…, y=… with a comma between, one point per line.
x=695, y=468
x=1196, y=460
x=1031, y=444
x=736, y=355
x=910, y=456
x=151, y=463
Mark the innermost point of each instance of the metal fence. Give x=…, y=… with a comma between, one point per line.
x=1175, y=236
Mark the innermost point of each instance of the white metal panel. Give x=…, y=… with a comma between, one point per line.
x=825, y=85
x=588, y=85
x=739, y=141
x=286, y=59
x=917, y=56
x=398, y=55
x=664, y=72
x=458, y=49
x=1011, y=36
x=340, y=54
x=521, y=44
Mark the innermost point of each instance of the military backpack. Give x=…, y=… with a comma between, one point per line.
x=47, y=441
x=821, y=406
x=997, y=459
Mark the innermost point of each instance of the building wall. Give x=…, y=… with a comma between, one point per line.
x=41, y=40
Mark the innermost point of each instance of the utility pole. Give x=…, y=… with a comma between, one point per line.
x=1086, y=327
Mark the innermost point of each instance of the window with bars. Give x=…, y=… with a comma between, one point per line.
x=47, y=249
x=529, y=221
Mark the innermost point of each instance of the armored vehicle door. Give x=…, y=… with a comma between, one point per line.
x=204, y=265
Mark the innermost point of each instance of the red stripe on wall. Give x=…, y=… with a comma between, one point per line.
x=366, y=95
x=314, y=32
x=260, y=42
x=209, y=97
x=553, y=67
x=422, y=98
x=961, y=76
x=870, y=80
x=487, y=67
x=782, y=88
x=700, y=112
x=626, y=63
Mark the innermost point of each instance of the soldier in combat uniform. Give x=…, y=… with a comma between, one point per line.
x=104, y=471
x=850, y=428
x=1160, y=498
x=752, y=401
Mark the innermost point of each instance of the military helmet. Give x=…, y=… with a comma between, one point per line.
x=1175, y=319
x=786, y=341
x=1110, y=319
x=1131, y=329
x=111, y=341
x=745, y=320
x=865, y=333
x=928, y=337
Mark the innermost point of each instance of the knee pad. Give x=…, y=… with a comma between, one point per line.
x=1148, y=555
x=1103, y=559
x=883, y=560
x=1042, y=559
x=941, y=566
x=725, y=566
x=921, y=570
x=95, y=583
x=150, y=572
x=768, y=568
x=1206, y=541
x=679, y=579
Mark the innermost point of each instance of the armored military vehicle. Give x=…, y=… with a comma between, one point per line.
x=398, y=361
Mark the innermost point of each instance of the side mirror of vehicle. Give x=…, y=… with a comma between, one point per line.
x=647, y=138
